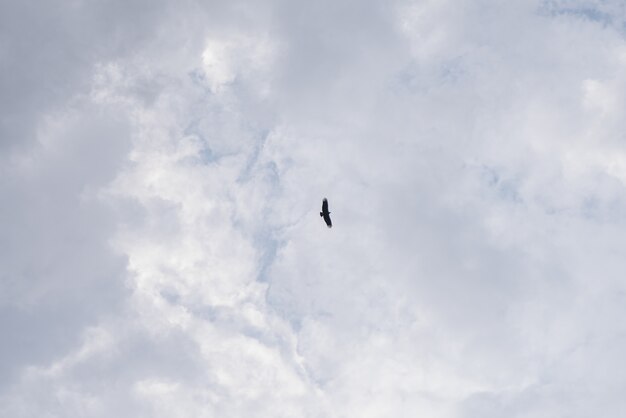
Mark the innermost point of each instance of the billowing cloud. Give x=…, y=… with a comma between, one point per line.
x=163, y=173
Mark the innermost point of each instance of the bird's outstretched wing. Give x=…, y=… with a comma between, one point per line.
x=325, y=206
x=327, y=220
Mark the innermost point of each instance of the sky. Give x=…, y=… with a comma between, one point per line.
x=162, y=167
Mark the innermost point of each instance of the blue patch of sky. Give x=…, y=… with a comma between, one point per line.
x=206, y=154
x=231, y=318
x=269, y=246
x=412, y=78
x=417, y=79
x=253, y=159
x=590, y=207
x=589, y=14
x=171, y=296
x=452, y=70
x=199, y=79
x=505, y=188
x=582, y=11
x=603, y=210
x=264, y=237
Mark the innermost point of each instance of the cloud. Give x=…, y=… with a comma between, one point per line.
x=163, y=250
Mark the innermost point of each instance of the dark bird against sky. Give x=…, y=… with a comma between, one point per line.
x=325, y=213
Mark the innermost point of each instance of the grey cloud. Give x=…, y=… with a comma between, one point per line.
x=58, y=273
x=49, y=51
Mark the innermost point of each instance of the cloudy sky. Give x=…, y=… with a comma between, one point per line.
x=162, y=166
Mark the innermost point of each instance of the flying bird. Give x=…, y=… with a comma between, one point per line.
x=326, y=214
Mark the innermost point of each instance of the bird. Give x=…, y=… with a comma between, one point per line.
x=325, y=213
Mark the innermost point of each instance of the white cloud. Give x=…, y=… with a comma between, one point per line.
x=225, y=60
x=164, y=255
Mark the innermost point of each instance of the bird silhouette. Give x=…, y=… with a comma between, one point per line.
x=325, y=213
